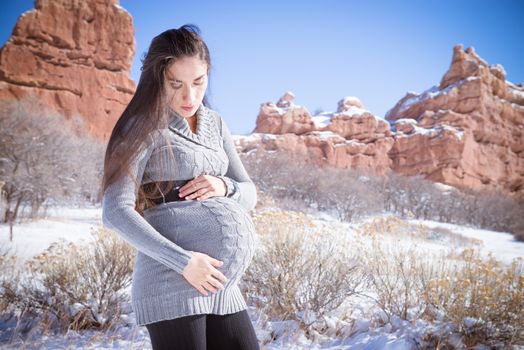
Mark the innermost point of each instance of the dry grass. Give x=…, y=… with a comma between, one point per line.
x=395, y=226
x=483, y=297
x=397, y=277
x=8, y=273
x=302, y=270
x=397, y=271
x=70, y=286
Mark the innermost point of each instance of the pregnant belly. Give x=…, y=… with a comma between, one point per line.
x=218, y=226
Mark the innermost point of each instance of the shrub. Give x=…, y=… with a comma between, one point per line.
x=350, y=194
x=8, y=273
x=299, y=186
x=301, y=270
x=483, y=297
x=69, y=286
x=395, y=227
x=397, y=275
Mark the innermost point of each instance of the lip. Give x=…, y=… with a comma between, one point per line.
x=187, y=108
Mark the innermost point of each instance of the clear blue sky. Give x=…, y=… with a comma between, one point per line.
x=325, y=50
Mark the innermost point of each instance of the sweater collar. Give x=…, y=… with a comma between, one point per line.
x=204, y=129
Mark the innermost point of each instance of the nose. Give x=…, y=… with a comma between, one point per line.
x=189, y=94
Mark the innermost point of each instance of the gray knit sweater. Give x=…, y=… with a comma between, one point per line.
x=167, y=234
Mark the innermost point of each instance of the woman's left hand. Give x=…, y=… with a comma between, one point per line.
x=202, y=187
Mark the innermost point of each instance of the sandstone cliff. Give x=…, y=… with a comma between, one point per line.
x=74, y=56
x=471, y=127
x=466, y=132
x=351, y=137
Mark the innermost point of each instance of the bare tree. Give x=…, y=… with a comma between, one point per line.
x=350, y=194
x=43, y=158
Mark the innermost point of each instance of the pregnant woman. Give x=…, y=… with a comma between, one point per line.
x=176, y=190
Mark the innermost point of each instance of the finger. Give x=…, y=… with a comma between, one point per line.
x=191, y=186
x=186, y=189
x=216, y=284
x=211, y=287
x=206, y=194
x=202, y=290
x=197, y=193
x=186, y=193
x=216, y=262
x=220, y=275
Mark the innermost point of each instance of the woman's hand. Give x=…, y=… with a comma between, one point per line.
x=202, y=187
x=201, y=273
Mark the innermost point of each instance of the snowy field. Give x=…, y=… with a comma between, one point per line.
x=357, y=330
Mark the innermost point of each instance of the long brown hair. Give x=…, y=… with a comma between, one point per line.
x=146, y=111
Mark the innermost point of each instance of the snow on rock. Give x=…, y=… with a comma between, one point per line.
x=322, y=120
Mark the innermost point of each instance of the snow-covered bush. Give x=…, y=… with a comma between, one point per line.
x=7, y=273
x=299, y=186
x=301, y=270
x=483, y=297
x=397, y=274
x=476, y=301
x=71, y=286
x=397, y=277
x=350, y=195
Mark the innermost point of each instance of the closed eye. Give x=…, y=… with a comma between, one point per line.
x=199, y=80
x=177, y=84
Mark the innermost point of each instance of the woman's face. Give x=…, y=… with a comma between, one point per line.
x=186, y=83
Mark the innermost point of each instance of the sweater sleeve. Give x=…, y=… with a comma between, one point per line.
x=119, y=215
x=247, y=195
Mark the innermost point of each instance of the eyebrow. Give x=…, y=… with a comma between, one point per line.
x=173, y=79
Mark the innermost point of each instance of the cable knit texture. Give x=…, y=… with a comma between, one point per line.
x=167, y=234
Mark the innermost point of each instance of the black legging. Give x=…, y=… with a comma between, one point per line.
x=204, y=332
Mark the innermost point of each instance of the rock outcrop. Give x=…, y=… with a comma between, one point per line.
x=467, y=132
x=284, y=117
x=75, y=57
x=351, y=138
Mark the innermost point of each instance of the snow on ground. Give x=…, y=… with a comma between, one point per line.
x=360, y=330
x=32, y=237
x=501, y=244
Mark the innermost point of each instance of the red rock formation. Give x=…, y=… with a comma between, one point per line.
x=284, y=117
x=350, y=138
x=467, y=132
x=476, y=118
x=75, y=56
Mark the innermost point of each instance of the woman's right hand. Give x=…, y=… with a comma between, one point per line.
x=202, y=274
